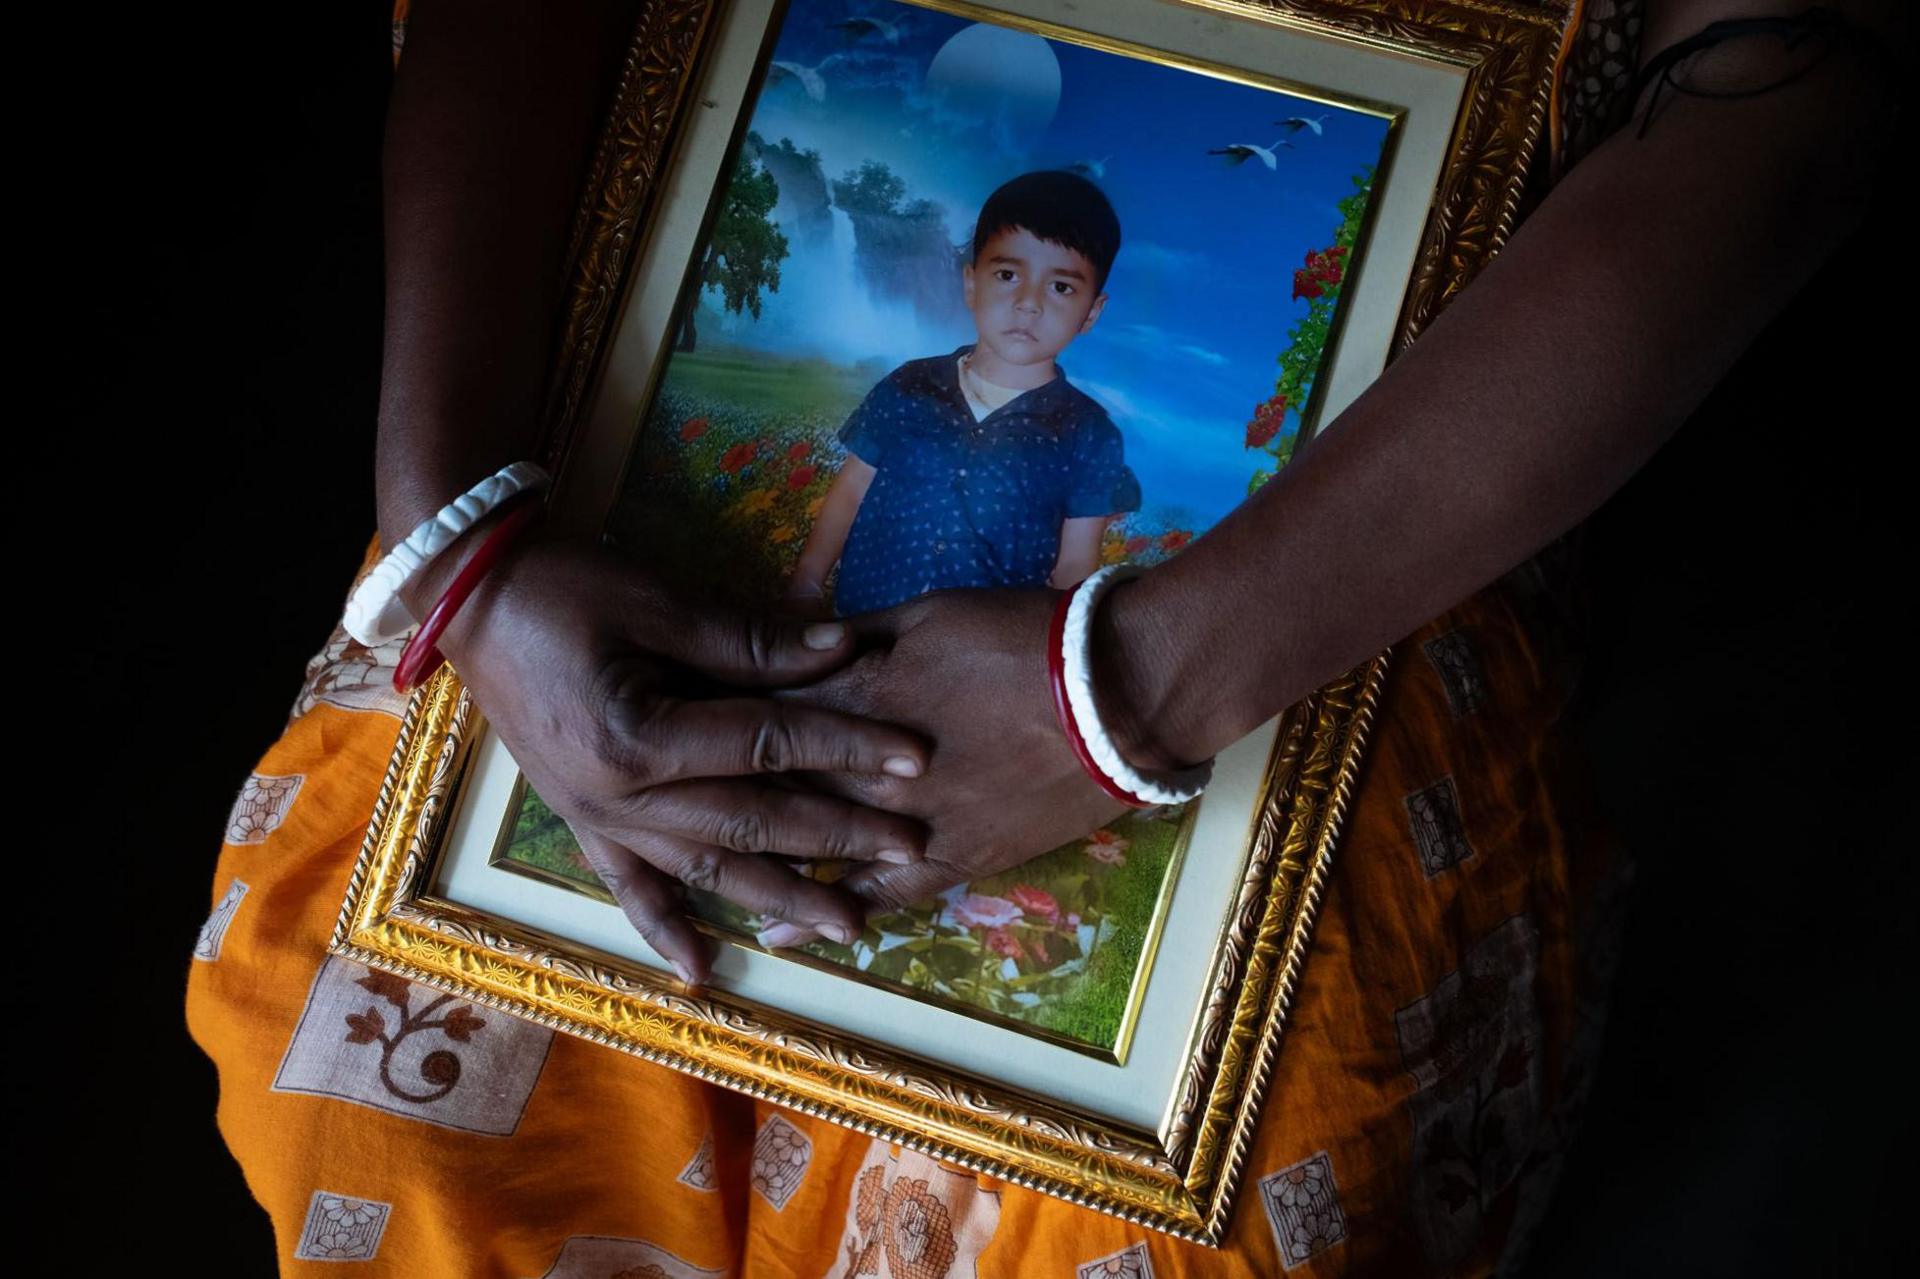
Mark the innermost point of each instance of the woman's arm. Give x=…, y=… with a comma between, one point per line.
x=1612, y=313
x=828, y=537
x=488, y=136
x=1079, y=550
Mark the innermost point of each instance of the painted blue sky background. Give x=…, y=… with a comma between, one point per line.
x=1199, y=297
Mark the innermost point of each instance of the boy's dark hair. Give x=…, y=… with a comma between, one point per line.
x=1058, y=206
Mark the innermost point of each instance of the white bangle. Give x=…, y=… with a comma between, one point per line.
x=376, y=613
x=1076, y=649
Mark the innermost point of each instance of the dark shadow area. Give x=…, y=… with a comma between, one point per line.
x=1749, y=722
x=1748, y=716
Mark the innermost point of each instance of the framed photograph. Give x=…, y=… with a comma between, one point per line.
x=878, y=297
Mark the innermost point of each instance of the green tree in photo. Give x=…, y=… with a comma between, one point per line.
x=872, y=188
x=745, y=252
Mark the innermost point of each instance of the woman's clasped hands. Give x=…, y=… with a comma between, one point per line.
x=691, y=743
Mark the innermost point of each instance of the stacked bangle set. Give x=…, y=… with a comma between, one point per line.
x=376, y=612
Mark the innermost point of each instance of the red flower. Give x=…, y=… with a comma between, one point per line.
x=798, y=451
x=736, y=457
x=1175, y=539
x=694, y=429
x=1138, y=545
x=801, y=477
x=1002, y=942
x=1268, y=417
x=1037, y=902
x=1324, y=270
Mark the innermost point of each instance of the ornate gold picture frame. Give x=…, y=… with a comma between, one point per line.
x=1154, y=1135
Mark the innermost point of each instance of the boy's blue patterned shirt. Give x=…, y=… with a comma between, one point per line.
x=958, y=502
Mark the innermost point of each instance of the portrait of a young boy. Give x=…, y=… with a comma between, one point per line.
x=985, y=466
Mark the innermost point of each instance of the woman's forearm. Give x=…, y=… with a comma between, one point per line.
x=1607, y=319
x=488, y=136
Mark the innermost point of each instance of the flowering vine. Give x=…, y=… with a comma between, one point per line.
x=1318, y=281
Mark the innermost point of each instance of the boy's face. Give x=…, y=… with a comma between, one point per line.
x=1030, y=297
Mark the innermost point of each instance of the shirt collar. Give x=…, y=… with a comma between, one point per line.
x=1048, y=399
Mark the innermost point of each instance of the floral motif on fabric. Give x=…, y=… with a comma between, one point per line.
x=1439, y=836
x=373, y=1038
x=780, y=1156
x=1602, y=59
x=1130, y=1262
x=206, y=947
x=1473, y=1048
x=1458, y=666
x=1303, y=1207
x=604, y=1257
x=1598, y=932
x=699, y=1170
x=909, y=1217
x=341, y=1228
x=263, y=804
x=353, y=677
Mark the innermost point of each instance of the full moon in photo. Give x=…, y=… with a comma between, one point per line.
x=993, y=73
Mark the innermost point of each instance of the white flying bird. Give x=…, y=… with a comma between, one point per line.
x=1295, y=123
x=1241, y=152
x=807, y=78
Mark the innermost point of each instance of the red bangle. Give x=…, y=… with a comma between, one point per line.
x=1063, y=710
x=422, y=656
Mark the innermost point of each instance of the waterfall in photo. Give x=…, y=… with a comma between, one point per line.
x=825, y=308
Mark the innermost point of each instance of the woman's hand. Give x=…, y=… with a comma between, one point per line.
x=968, y=669
x=612, y=697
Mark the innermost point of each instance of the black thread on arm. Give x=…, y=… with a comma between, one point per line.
x=1820, y=22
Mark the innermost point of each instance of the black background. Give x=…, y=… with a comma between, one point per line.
x=1747, y=711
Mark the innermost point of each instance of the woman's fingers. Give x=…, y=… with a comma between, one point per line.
x=753, y=650
x=664, y=739
x=753, y=817
x=761, y=884
x=882, y=888
x=651, y=903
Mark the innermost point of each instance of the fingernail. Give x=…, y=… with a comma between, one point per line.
x=901, y=766
x=686, y=973
x=781, y=935
x=897, y=856
x=840, y=933
x=823, y=635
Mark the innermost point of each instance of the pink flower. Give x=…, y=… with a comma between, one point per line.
x=1106, y=847
x=1037, y=902
x=1002, y=942
x=977, y=910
